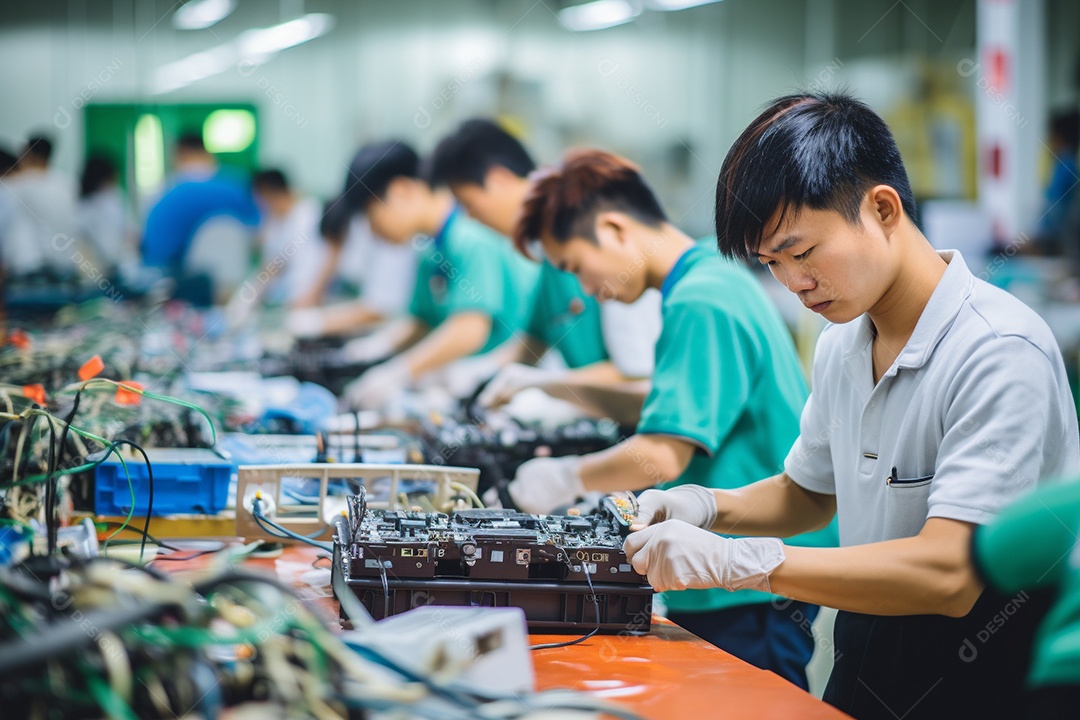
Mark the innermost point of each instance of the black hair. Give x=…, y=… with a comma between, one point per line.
x=374, y=167
x=270, y=179
x=563, y=201
x=7, y=162
x=98, y=172
x=816, y=150
x=191, y=142
x=39, y=146
x=466, y=155
x=335, y=221
x=1065, y=124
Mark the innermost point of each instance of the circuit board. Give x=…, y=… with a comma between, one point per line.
x=553, y=566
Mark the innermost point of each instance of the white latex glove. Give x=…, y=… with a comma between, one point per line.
x=305, y=322
x=366, y=349
x=692, y=504
x=676, y=556
x=543, y=484
x=512, y=379
x=239, y=308
x=375, y=388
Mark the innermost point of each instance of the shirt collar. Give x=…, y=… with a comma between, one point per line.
x=677, y=271
x=953, y=289
x=440, y=237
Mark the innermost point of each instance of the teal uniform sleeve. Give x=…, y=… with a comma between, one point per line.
x=702, y=379
x=1027, y=545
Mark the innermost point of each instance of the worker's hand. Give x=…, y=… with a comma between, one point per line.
x=375, y=388
x=543, y=484
x=690, y=503
x=305, y=322
x=678, y=556
x=366, y=349
x=239, y=310
x=511, y=380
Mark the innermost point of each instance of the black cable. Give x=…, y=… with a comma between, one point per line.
x=149, y=499
x=356, y=438
x=596, y=607
x=51, y=526
x=386, y=591
x=148, y=536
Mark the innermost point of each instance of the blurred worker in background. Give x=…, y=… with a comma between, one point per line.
x=100, y=217
x=291, y=252
x=199, y=192
x=382, y=274
x=606, y=346
x=472, y=293
x=42, y=232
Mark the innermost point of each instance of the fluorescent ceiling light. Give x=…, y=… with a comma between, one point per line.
x=678, y=4
x=598, y=15
x=201, y=14
x=252, y=46
x=267, y=41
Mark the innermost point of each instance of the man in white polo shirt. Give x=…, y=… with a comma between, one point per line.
x=936, y=401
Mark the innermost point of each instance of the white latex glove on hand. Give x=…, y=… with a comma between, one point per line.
x=692, y=504
x=366, y=349
x=677, y=556
x=375, y=388
x=543, y=484
x=305, y=323
x=512, y=379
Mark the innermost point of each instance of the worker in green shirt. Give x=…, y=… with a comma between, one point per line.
x=1032, y=547
x=607, y=347
x=472, y=293
x=726, y=394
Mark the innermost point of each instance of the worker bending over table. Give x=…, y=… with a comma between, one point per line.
x=607, y=346
x=726, y=394
x=472, y=290
x=937, y=400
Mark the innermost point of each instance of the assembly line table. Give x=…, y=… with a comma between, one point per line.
x=667, y=673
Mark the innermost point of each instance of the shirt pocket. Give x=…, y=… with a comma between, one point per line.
x=907, y=502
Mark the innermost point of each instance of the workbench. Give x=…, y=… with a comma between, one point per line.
x=667, y=673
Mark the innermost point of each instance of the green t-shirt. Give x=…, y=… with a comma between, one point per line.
x=566, y=318
x=468, y=268
x=728, y=380
x=1033, y=545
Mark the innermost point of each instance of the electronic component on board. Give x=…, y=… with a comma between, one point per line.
x=560, y=569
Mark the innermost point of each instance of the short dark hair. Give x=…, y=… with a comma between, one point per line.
x=563, y=201
x=334, y=223
x=466, y=155
x=374, y=167
x=190, y=142
x=8, y=161
x=816, y=150
x=1065, y=124
x=98, y=172
x=271, y=179
x=40, y=147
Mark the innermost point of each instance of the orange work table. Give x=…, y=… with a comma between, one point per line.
x=668, y=673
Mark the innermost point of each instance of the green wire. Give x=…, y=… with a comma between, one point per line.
x=153, y=396
x=108, y=700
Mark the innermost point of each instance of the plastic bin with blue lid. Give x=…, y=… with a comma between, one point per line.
x=186, y=481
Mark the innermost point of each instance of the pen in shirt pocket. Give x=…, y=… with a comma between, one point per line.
x=895, y=479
